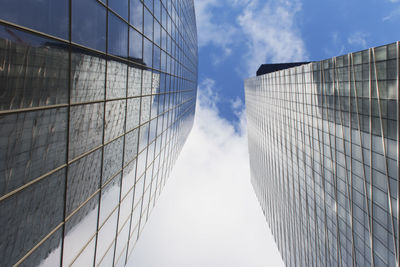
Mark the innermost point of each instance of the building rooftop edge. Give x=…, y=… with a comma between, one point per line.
x=268, y=68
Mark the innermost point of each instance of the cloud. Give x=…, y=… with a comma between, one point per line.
x=271, y=33
x=358, y=39
x=394, y=14
x=210, y=31
x=208, y=214
x=266, y=30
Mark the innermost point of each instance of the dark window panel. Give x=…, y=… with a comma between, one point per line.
x=83, y=180
x=131, y=146
x=47, y=254
x=24, y=211
x=120, y=7
x=51, y=16
x=34, y=72
x=34, y=144
x=88, y=71
x=114, y=119
x=86, y=128
x=89, y=24
x=117, y=36
x=112, y=161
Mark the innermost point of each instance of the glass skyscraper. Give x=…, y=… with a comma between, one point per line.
x=324, y=158
x=97, y=99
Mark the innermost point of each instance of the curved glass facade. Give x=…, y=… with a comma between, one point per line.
x=324, y=156
x=96, y=101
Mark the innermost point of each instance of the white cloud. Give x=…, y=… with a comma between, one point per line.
x=208, y=214
x=209, y=31
x=267, y=30
x=394, y=14
x=272, y=34
x=358, y=39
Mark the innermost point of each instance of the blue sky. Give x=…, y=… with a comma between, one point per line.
x=235, y=37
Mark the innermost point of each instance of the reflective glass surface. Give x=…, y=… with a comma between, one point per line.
x=51, y=16
x=323, y=143
x=117, y=36
x=76, y=113
x=33, y=72
x=89, y=24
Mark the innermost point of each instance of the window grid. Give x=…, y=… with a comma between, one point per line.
x=324, y=142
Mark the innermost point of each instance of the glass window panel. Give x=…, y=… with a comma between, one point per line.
x=117, y=36
x=120, y=7
x=120, y=261
x=136, y=16
x=122, y=240
x=112, y=160
x=156, y=57
x=125, y=208
x=147, y=53
x=34, y=144
x=145, y=109
x=107, y=260
x=86, y=257
x=155, y=87
x=30, y=209
x=105, y=238
x=132, y=120
x=153, y=130
x=149, y=4
x=147, y=83
x=131, y=142
x=109, y=199
x=157, y=9
x=148, y=24
x=136, y=211
x=154, y=108
x=157, y=33
x=51, y=16
x=134, y=81
x=135, y=46
x=86, y=128
x=34, y=72
x=141, y=165
x=79, y=230
x=89, y=24
x=116, y=79
x=128, y=179
x=115, y=119
x=88, y=71
x=48, y=254
x=83, y=180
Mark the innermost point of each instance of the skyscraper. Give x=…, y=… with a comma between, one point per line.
x=97, y=98
x=324, y=158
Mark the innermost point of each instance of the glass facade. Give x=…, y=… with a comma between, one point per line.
x=324, y=158
x=97, y=99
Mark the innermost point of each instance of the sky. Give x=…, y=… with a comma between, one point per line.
x=208, y=214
